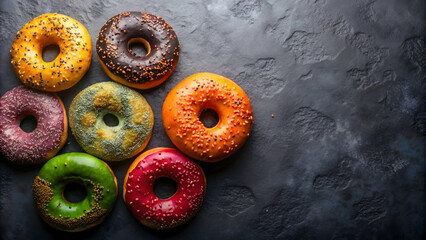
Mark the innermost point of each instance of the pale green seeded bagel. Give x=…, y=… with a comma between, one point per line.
x=115, y=143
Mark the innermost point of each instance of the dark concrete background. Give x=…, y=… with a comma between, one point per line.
x=343, y=158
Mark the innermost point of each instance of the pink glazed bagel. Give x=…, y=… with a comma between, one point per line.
x=47, y=138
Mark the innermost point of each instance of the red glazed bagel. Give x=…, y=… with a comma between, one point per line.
x=185, y=103
x=138, y=189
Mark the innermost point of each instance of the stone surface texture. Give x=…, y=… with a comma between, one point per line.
x=343, y=157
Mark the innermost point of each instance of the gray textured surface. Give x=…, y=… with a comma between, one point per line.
x=343, y=158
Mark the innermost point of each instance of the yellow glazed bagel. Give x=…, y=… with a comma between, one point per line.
x=68, y=67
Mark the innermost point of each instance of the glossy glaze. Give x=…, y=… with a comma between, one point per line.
x=126, y=68
x=185, y=103
x=96, y=177
x=69, y=66
x=138, y=189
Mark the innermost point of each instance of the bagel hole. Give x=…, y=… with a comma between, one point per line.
x=165, y=187
x=209, y=118
x=139, y=47
x=110, y=120
x=28, y=124
x=50, y=52
x=74, y=192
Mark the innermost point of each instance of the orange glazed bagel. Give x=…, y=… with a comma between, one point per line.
x=185, y=103
x=68, y=67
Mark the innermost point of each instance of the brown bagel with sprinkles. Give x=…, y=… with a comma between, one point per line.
x=125, y=67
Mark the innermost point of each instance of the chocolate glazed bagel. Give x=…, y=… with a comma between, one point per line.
x=125, y=67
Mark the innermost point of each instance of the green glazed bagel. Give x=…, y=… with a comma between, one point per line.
x=111, y=143
x=93, y=174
